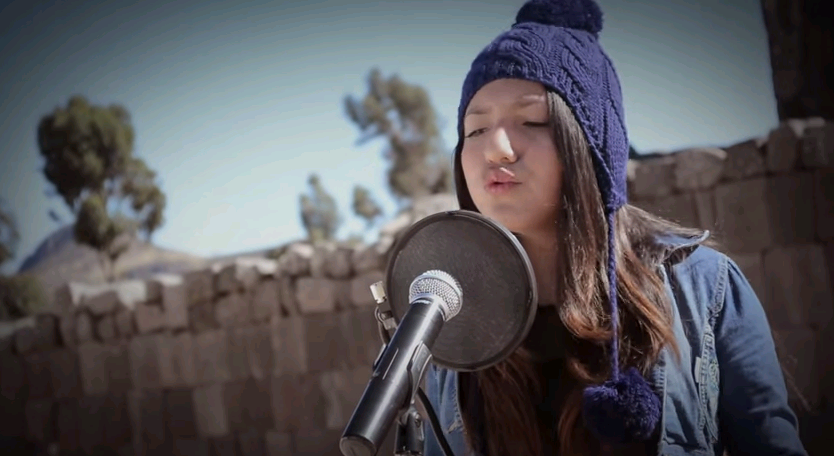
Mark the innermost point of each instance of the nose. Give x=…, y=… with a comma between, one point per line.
x=499, y=148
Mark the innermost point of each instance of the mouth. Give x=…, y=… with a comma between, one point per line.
x=501, y=181
x=498, y=188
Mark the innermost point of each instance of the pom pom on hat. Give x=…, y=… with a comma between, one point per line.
x=622, y=410
x=575, y=14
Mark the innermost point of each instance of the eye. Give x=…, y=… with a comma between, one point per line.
x=475, y=133
x=536, y=124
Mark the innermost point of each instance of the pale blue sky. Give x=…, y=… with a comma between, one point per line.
x=234, y=103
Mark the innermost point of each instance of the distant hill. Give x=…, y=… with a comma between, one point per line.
x=52, y=244
x=59, y=259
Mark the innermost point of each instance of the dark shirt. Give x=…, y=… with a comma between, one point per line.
x=545, y=343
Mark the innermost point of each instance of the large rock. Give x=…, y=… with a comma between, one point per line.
x=266, y=300
x=249, y=409
x=176, y=361
x=741, y=209
x=678, y=208
x=237, y=276
x=785, y=143
x=818, y=146
x=233, y=309
x=210, y=411
x=70, y=296
x=367, y=258
x=150, y=317
x=295, y=260
x=360, y=288
x=110, y=297
x=745, y=159
x=211, y=353
x=653, y=177
x=425, y=206
x=342, y=390
x=39, y=336
x=315, y=295
x=337, y=263
x=698, y=169
x=199, y=286
x=94, y=362
x=289, y=346
x=824, y=199
x=84, y=328
x=145, y=352
x=253, y=345
x=799, y=293
x=790, y=206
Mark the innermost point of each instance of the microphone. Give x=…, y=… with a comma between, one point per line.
x=435, y=297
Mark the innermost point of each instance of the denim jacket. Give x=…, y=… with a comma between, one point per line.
x=726, y=393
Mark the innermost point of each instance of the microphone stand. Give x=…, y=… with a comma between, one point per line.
x=410, y=434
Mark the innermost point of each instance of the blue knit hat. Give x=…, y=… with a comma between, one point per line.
x=555, y=43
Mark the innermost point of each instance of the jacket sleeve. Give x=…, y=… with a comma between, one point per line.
x=753, y=403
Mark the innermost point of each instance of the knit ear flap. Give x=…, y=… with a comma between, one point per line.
x=575, y=14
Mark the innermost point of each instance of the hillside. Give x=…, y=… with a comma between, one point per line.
x=59, y=259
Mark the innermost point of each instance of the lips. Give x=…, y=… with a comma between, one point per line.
x=501, y=176
x=501, y=181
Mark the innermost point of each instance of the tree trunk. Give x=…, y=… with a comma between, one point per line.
x=801, y=41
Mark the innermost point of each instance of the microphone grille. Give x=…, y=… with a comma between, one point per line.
x=442, y=285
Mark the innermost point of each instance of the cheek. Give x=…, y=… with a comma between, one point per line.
x=550, y=172
x=470, y=168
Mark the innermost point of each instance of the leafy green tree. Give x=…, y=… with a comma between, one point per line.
x=20, y=295
x=403, y=115
x=319, y=212
x=88, y=153
x=365, y=206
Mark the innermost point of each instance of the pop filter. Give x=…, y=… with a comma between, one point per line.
x=494, y=272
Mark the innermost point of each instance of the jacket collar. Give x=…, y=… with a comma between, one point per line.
x=676, y=248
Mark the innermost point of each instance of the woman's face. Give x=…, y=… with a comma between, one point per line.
x=509, y=159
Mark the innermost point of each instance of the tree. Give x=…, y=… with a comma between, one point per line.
x=365, y=206
x=88, y=152
x=319, y=212
x=402, y=113
x=9, y=235
x=20, y=295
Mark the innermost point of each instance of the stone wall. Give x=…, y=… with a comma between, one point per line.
x=264, y=357
x=257, y=357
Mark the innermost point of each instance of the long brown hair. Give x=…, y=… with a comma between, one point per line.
x=505, y=407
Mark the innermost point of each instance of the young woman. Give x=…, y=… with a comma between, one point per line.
x=687, y=364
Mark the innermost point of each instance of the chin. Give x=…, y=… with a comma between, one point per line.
x=518, y=224
x=509, y=222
